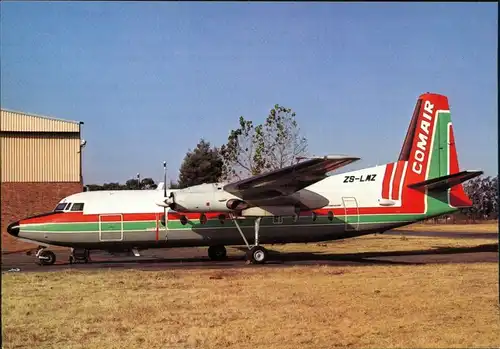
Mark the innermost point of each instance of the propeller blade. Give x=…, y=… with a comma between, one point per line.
x=164, y=179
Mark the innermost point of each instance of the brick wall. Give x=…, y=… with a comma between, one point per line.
x=20, y=200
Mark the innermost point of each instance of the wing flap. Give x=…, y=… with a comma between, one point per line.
x=288, y=180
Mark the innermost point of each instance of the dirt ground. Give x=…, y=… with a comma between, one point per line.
x=488, y=227
x=452, y=305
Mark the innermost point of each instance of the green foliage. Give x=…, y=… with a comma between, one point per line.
x=483, y=191
x=254, y=149
x=131, y=184
x=202, y=165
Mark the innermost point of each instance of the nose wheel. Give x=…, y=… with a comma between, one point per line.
x=46, y=257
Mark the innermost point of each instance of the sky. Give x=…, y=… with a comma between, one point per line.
x=150, y=79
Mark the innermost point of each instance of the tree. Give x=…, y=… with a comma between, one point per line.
x=483, y=191
x=148, y=183
x=254, y=149
x=105, y=186
x=202, y=165
x=131, y=184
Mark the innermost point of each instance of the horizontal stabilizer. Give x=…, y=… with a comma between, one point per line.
x=446, y=182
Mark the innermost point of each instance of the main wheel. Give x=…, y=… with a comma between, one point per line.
x=257, y=255
x=46, y=257
x=217, y=253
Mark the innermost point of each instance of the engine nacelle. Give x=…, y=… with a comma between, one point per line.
x=204, y=198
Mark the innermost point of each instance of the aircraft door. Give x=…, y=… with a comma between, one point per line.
x=351, y=210
x=110, y=227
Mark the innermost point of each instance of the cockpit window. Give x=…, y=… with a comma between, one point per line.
x=61, y=206
x=78, y=206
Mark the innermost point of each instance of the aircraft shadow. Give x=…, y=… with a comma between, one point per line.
x=360, y=256
x=276, y=257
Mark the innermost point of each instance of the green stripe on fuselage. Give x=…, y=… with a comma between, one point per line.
x=215, y=223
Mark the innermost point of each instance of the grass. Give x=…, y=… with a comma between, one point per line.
x=453, y=228
x=453, y=305
x=380, y=242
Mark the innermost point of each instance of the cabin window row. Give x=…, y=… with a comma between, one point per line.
x=276, y=219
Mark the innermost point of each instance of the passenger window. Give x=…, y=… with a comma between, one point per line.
x=77, y=207
x=183, y=220
x=330, y=216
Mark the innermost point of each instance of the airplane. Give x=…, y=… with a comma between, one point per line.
x=299, y=203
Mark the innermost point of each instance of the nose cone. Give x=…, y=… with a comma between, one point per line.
x=13, y=229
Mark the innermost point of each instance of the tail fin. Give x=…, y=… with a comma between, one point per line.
x=429, y=147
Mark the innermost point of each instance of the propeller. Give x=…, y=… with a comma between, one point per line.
x=164, y=179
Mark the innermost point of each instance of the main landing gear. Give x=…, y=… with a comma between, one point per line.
x=256, y=254
x=79, y=255
x=217, y=253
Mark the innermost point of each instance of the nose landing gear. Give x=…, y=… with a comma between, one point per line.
x=45, y=257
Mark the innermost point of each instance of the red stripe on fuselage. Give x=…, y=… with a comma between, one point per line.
x=79, y=217
x=110, y=217
x=387, y=180
x=398, y=179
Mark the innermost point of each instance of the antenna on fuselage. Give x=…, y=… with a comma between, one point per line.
x=164, y=179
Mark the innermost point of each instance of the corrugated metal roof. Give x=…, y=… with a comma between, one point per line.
x=15, y=121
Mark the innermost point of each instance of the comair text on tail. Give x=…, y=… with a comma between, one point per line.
x=430, y=150
x=296, y=204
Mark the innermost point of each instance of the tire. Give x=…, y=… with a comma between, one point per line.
x=258, y=255
x=217, y=253
x=48, y=258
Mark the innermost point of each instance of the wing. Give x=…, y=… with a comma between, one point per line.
x=287, y=180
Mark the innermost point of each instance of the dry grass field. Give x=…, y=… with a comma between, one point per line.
x=489, y=227
x=368, y=306
x=380, y=242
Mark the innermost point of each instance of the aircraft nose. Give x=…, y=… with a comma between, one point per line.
x=13, y=229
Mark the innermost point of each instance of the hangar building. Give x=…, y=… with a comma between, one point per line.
x=40, y=161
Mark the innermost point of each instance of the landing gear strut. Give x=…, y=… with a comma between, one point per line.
x=45, y=257
x=79, y=256
x=217, y=253
x=256, y=254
